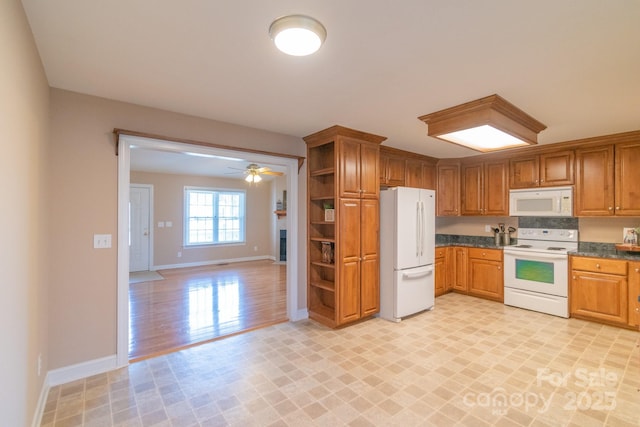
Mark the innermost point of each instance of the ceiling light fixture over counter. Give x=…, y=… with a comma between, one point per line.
x=297, y=35
x=486, y=124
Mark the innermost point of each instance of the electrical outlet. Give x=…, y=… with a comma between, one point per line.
x=255, y=249
x=487, y=228
x=179, y=254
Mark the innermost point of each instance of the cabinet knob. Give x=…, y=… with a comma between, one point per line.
x=574, y=277
x=597, y=265
x=542, y=180
x=610, y=208
x=617, y=208
x=637, y=270
x=484, y=254
x=499, y=268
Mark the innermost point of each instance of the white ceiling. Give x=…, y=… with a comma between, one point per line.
x=193, y=163
x=574, y=65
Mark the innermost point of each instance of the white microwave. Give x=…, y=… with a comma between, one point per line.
x=550, y=201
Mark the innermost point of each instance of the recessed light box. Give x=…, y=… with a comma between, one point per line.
x=486, y=124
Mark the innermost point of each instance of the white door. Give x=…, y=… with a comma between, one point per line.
x=139, y=227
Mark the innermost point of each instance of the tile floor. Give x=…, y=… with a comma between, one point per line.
x=469, y=362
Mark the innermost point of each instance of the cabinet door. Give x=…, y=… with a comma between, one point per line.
x=369, y=159
x=556, y=168
x=348, y=254
x=413, y=173
x=428, y=176
x=634, y=294
x=471, y=185
x=594, y=181
x=395, y=171
x=486, y=279
x=448, y=192
x=459, y=269
x=496, y=189
x=382, y=169
x=440, y=284
x=523, y=172
x=599, y=296
x=627, y=180
x=370, y=264
x=349, y=167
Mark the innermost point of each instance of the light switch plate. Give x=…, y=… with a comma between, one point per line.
x=168, y=223
x=101, y=241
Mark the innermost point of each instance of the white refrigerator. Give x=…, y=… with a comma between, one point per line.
x=407, y=248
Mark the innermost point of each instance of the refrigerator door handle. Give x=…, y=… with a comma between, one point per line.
x=422, y=221
x=418, y=226
x=417, y=275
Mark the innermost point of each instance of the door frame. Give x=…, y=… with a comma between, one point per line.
x=124, y=165
x=150, y=262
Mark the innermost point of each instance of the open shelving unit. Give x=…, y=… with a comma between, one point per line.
x=322, y=275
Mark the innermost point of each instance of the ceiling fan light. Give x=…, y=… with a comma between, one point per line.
x=253, y=177
x=297, y=35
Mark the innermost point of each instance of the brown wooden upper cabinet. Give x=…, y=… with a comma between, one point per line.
x=392, y=170
x=358, y=165
x=608, y=180
x=448, y=191
x=484, y=189
x=542, y=170
x=420, y=174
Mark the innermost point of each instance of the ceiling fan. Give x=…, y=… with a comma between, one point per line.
x=253, y=172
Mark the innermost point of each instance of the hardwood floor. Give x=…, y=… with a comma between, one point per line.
x=200, y=304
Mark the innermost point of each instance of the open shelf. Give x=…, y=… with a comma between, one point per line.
x=322, y=239
x=324, y=284
x=320, y=172
x=323, y=264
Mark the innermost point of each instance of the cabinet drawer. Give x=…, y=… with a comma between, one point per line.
x=440, y=252
x=599, y=265
x=490, y=254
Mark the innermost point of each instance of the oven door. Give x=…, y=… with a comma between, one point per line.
x=545, y=273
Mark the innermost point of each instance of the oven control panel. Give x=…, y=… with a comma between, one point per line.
x=553, y=234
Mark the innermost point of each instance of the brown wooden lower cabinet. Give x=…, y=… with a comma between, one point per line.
x=634, y=294
x=486, y=278
x=441, y=282
x=599, y=290
x=473, y=271
x=458, y=269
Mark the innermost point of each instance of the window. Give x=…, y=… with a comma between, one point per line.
x=213, y=216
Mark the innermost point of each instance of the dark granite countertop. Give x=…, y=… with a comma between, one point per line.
x=590, y=249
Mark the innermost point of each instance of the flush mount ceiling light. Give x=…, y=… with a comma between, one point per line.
x=297, y=35
x=486, y=124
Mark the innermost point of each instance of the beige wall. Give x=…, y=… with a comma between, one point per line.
x=24, y=122
x=168, y=200
x=84, y=189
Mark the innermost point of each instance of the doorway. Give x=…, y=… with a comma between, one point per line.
x=125, y=144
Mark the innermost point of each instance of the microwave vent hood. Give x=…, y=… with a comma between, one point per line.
x=549, y=201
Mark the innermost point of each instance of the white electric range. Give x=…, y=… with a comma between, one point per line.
x=536, y=270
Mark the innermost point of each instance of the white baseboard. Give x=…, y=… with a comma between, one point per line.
x=301, y=314
x=212, y=262
x=81, y=370
x=67, y=374
x=42, y=401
